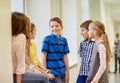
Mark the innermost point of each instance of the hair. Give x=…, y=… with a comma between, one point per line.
x=21, y=24
x=100, y=28
x=85, y=24
x=32, y=27
x=57, y=19
x=117, y=35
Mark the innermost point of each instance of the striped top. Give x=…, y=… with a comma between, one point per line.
x=85, y=52
x=55, y=48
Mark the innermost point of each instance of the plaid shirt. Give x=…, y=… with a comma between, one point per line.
x=85, y=52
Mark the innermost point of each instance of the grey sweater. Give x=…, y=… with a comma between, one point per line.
x=94, y=66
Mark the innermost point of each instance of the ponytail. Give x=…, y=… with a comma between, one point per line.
x=105, y=39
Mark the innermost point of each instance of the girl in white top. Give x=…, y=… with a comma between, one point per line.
x=101, y=54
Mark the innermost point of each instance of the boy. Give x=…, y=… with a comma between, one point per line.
x=85, y=52
x=55, y=50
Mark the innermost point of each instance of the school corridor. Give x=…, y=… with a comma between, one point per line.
x=72, y=14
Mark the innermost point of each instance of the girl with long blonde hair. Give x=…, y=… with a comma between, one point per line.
x=101, y=54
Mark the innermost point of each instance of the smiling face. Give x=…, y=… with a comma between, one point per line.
x=55, y=28
x=84, y=33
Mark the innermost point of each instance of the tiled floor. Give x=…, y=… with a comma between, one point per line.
x=113, y=77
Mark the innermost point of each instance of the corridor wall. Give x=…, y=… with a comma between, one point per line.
x=5, y=42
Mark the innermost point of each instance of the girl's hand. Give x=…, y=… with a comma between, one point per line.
x=51, y=76
x=92, y=82
x=47, y=71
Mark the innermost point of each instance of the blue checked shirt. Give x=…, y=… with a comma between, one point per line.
x=85, y=52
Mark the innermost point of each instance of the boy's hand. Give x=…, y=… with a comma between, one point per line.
x=67, y=78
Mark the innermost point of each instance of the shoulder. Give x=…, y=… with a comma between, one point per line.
x=33, y=43
x=63, y=39
x=83, y=42
x=101, y=47
x=19, y=38
x=46, y=38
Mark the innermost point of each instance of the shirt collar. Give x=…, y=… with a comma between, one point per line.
x=53, y=35
x=86, y=40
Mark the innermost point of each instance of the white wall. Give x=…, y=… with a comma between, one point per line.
x=39, y=12
x=17, y=5
x=84, y=10
x=5, y=42
x=69, y=19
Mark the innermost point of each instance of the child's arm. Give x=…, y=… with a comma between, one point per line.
x=40, y=65
x=67, y=68
x=19, y=78
x=102, y=67
x=44, y=59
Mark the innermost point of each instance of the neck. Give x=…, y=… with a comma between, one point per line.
x=98, y=39
x=88, y=40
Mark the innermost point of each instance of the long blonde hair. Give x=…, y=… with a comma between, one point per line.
x=101, y=32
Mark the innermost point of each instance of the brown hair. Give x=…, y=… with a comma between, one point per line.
x=21, y=24
x=32, y=27
x=57, y=19
x=85, y=24
x=101, y=32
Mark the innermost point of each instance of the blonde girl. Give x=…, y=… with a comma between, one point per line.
x=37, y=65
x=101, y=54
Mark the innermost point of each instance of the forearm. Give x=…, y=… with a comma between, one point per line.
x=41, y=66
x=66, y=63
x=44, y=59
x=100, y=72
x=19, y=78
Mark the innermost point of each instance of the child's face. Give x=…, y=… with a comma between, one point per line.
x=33, y=34
x=84, y=33
x=55, y=28
x=91, y=31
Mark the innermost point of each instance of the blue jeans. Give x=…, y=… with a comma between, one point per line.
x=58, y=79
x=32, y=77
x=81, y=79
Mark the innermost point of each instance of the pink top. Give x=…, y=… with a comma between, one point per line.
x=18, y=53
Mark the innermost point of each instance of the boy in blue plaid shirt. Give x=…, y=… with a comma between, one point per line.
x=85, y=52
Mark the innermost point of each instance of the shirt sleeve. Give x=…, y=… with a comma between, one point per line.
x=102, y=67
x=66, y=48
x=80, y=51
x=20, y=57
x=45, y=45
